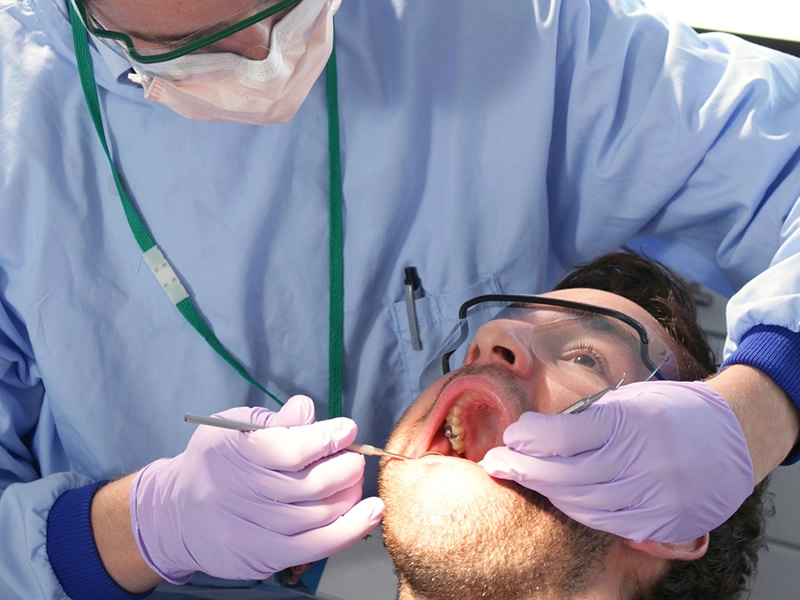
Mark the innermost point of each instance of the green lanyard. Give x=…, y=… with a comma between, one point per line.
x=165, y=273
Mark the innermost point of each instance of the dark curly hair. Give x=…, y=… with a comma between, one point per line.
x=727, y=568
x=658, y=290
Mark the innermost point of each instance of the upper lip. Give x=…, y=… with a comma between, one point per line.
x=482, y=389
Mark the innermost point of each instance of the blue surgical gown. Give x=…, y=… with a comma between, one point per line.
x=491, y=145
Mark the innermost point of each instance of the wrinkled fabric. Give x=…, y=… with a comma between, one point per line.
x=490, y=145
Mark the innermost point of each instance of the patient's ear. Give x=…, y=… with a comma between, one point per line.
x=691, y=550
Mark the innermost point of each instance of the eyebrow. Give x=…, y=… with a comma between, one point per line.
x=603, y=324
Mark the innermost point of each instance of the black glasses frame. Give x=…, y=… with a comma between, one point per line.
x=547, y=301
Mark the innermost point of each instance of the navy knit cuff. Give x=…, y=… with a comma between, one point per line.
x=72, y=550
x=775, y=351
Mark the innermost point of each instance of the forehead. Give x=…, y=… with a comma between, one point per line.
x=615, y=302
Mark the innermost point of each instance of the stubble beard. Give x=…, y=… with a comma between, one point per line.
x=455, y=533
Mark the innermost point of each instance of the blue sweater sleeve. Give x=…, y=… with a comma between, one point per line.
x=72, y=550
x=775, y=351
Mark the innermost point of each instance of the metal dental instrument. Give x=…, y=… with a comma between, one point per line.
x=585, y=403
x=364, y=449
x=368, y=450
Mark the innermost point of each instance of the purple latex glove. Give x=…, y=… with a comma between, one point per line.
x=244, y=505
x=660, y=460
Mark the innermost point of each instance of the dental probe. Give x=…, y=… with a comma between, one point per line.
x=585, y=403
x=364, y=449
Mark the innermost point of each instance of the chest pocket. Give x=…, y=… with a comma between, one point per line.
x=437, y=315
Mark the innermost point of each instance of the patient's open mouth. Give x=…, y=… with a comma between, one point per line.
x=469, y=419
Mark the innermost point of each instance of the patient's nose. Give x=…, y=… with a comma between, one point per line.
x=503, y=342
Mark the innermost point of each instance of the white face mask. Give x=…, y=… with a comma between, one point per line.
x=229, y=87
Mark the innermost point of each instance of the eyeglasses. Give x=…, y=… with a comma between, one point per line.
x=588, y=348
x=173, y=49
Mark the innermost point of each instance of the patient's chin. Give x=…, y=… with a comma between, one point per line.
x=427, y=486
x=452, y=529
x=436, y=504
x=437, y=491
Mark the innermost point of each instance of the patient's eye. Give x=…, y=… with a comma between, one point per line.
x=586, y=360
x=584, y=355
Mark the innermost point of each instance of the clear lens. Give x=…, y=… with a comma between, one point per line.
x=213, y=32
x=585, y=351
x=153, y=51
x=252, y=42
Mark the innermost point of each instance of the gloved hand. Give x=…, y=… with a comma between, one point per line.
x=244, y=505
x=658, y=460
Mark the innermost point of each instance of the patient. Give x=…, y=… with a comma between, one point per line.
x=455, y=533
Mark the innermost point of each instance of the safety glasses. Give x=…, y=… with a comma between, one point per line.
x=162, y=52
x=586, y=347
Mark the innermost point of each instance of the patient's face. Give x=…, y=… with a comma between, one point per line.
x=455, y=532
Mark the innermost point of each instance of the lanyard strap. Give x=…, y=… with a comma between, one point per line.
x=336, y=251
x=166, y=274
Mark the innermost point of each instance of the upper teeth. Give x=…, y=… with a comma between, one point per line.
x=453, y=429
